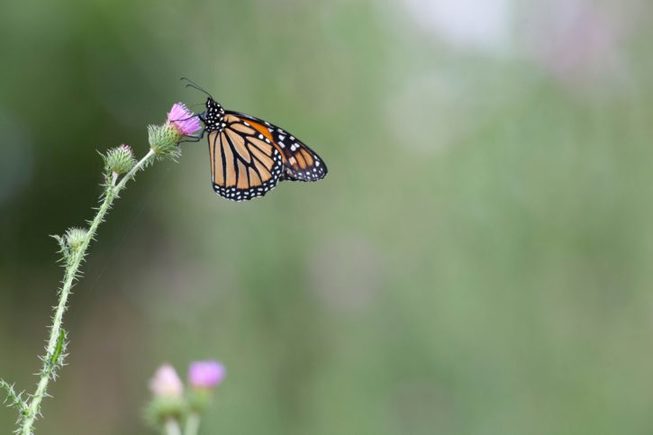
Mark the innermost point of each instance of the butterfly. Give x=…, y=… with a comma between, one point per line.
x=250, y=156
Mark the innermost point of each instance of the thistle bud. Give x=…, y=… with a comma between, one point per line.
x=166, y=382
x=203, y=377
x=164, y=141
x=168, y=401
x=119, y=160
x=75, y=237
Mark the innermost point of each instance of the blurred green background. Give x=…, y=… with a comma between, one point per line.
x=476, y=262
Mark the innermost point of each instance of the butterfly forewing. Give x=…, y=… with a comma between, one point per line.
x=244, y=163
x=300, y=163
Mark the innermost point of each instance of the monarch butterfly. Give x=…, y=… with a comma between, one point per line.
x=250, y=156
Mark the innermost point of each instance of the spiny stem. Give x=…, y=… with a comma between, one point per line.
x=52, y=358
x=13, y=398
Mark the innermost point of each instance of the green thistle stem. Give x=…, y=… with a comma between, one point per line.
x=171, y=427
x=192, y=424
x=53, y=357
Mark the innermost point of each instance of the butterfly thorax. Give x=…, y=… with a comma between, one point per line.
x=214, y=116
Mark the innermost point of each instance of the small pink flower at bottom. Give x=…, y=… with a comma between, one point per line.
x=183, y=119
x=206, y=374
x=166, y=382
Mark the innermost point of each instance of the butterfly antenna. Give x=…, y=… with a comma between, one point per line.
x=192, y=84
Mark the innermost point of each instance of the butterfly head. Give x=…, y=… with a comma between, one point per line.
x=214, y=116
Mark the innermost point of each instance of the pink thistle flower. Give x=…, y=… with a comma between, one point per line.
x=206, y=374
x=166, y=382
x=183, y=120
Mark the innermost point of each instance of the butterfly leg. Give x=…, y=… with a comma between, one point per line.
x=192, y=139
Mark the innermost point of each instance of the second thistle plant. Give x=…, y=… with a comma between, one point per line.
x=172, y=405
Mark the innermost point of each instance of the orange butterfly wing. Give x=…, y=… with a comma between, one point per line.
x=300, y=163
x=244, y=162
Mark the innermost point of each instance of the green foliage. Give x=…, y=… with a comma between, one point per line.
x=56, y=359
x=12, y=398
